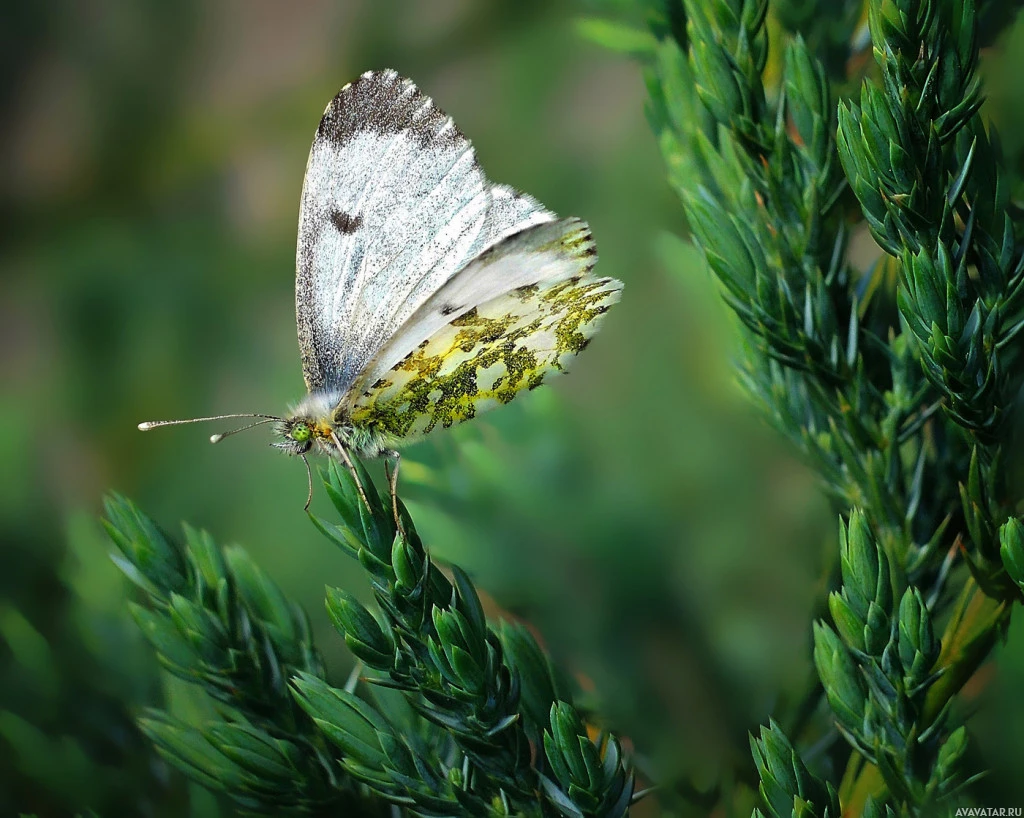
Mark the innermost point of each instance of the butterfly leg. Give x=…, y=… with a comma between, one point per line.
x=351, y=470
x=309, y=479
x=392, y=474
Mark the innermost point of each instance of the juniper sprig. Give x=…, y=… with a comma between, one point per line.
x=896, y=382
x=217, y=622
x=484, y=724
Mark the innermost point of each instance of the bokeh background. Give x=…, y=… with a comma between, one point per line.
x=665, y=544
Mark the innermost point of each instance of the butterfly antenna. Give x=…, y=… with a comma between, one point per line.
x=145, y=426
x=219, y=437
x=309, y=477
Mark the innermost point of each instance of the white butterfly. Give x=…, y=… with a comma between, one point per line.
x=424, y=293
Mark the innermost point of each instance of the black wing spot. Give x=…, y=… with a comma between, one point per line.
x=448, y=309
x=346, y=222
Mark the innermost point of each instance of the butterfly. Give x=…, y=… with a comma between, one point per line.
x=425, y=294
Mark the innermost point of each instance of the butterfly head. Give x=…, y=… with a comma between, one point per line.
x=296, y=435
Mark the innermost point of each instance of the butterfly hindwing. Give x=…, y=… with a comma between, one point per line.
x=487, y=356
x=551, y=250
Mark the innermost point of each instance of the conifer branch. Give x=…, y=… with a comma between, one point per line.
x=488, y=726
x=217, y=622
x=763, y=192
x=898, y=395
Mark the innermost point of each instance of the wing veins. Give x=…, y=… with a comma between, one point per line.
x=360, y=282
x=420, y=207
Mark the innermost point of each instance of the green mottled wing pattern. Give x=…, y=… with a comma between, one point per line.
x=486, y=356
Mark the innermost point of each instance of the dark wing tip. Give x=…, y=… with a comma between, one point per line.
x=385, y=102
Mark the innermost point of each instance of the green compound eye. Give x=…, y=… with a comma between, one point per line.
x=301, y=432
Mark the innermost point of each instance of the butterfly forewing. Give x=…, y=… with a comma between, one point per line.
x=498, y=347
x=393, y=205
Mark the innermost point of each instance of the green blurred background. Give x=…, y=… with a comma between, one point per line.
x=664, y=543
